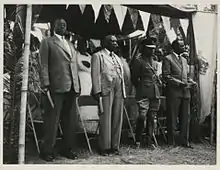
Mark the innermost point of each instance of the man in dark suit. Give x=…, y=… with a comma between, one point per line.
x=175, y=73
x=145, y=79
x=108, y=85
x=60, y=81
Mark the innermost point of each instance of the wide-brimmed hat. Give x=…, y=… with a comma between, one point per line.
x=148, y=42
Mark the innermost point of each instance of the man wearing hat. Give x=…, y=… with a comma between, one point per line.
x=145, y=79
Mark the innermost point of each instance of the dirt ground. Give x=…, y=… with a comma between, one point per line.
x=202, y=154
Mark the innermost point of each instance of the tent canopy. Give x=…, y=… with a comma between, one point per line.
x=175, y=11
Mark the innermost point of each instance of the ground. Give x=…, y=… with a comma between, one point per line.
x=202, y=154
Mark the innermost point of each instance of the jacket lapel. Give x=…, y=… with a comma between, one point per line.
x=61, y=45
x=72, y=50
x=177, y=61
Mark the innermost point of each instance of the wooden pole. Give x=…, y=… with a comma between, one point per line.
x=130, y=49
x=24, y=88
x=212, y=129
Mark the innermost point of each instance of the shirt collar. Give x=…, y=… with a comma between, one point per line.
x=59, y=36
x=177, y=56
x=107, y=51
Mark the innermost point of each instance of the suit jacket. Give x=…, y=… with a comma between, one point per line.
x=58, y=66
x=174, y=71
x=144, y=79
x=102, y=72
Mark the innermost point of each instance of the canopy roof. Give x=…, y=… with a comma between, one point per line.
x=175, y=11
x=90, y=20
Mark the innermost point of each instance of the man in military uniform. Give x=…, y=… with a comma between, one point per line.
x=145, y=79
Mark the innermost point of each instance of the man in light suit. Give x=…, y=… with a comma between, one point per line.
x=178, y=83
x=108, y=83
x=59, y=77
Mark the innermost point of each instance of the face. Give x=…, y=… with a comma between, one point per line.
x=111, y=43
x=149, y=51
x=181, y=46
x=60, y=27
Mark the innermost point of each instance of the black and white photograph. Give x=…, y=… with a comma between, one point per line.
x=113, y=84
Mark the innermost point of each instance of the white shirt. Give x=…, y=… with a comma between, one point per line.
x=65, y=43
x=177, y=56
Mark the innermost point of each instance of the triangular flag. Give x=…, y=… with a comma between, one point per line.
x=107, y=12
x=184, y=23
x=134, y=16
x=82, y=8
x=145, y=16
x=169, y=31
x=67, y=6
x=5, y=13
x=120, y=12
x=96, y=7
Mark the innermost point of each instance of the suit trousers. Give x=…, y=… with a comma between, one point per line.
x=178, y=107
x=64, y=112
x=111, y=119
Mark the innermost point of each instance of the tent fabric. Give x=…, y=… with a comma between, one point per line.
x=120, y=12
x=206, y=45
x=165, y=10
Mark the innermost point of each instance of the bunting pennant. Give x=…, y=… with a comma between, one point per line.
x=107, y=12
x=169, y=31
x=145, y=17
x=184, y=23
x=134, y=16
x=5, y=13
x=120, y=12
x=67, y=6
x=96, y=7
x=82, y=8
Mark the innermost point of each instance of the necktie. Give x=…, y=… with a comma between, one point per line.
x=116, y=64
x=66, y=45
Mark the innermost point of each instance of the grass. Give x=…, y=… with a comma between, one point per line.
x=202, y=154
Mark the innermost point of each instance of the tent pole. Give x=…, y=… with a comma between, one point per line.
x=130, y=49
x=24, y=88
x=212, y=129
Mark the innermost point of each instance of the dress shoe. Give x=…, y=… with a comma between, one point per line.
x=114, y=151
x=105, y=152
x=187, y=146
x=47, y=157
x=137, y=145
x=69, y=155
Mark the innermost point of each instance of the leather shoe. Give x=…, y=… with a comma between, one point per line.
x=104, y=152
x=47, y=157
x=69, y=155
x=187, y=146
x=114, y=151
x=137, y=145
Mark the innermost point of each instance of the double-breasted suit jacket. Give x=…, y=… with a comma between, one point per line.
x=59, y=65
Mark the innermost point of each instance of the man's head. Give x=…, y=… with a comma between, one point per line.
x=178, y=46
x=148, y=47
x=110, y=43
x=60, y=27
